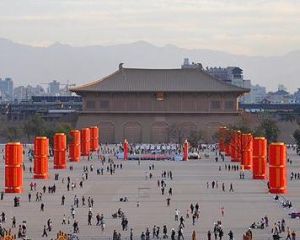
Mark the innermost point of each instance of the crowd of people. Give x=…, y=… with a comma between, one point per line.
x=101, y=164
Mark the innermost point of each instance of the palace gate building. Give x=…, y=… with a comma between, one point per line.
x=157, y=105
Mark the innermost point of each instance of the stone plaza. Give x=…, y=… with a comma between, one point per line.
x=248, y=203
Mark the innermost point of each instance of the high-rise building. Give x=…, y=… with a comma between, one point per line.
x=25, y=93
x=258, y=93
x=6, y=88
x=297, y=96
x=53, y=89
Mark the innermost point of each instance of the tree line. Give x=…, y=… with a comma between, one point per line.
x=34, y=126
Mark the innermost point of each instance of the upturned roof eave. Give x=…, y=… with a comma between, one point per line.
x=82, y=88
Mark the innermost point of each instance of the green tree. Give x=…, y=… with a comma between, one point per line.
x=296, y=136
x=268, y=129
x=35, y=126
x=52, y=128
x=195, y=138
x=12, y=133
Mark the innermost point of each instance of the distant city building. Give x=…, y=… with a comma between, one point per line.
x=49, y=107
x=231, y=75
x=258, y=93
x=297, y=96
x=187, y=65
x=26, y=92
x=53, y=89
x=234, y=76
x=6, y=89
x=246, y=98
x=281, y=96
x=22, y=92
x=281, y=87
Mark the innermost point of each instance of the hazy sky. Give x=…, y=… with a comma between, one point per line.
x=252, y=27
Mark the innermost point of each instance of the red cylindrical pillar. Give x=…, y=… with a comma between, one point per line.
x=85, y=142
x=222, y=134
x=227, y=149
x=14, y=167
x=125, y=147
x=41, y=151
x=227, y=142
x=74, y=146
x=94, y=144
x=247, y=151
x=259, y=158
x=236, y=146
x=60, y=145
x=186, y=150
x=277, y=168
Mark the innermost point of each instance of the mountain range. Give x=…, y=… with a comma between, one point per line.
x=67, y=64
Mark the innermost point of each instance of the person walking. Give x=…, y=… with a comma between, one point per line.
x=13, y=223
x=173, y=233
x=230, y=234
x=194, y=235
x=180, y=233
x=222, y=211
x=293, y=235
x=45, y=232
x=209, y=235
x=288, y=236
x=131, y=234
x=63, y=200
x=231, y=188
x=176, y=214
x=168, y=201
x=194, y=218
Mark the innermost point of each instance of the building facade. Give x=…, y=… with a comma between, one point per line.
x=53, y=88
x=258, y=93
x=6, y=89
x=234, y=76
x=157, y=105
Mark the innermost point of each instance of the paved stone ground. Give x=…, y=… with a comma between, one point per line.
x=248, y=203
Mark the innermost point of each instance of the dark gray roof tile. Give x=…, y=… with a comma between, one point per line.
x=153, y=80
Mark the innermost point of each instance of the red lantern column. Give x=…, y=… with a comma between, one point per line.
x=125, y=147
x=74, y=146
x=227, y=142
x=85, y=142
x=41, y=151
x=222, y=134
x=94, y=138
x=277, y=168
x=60, y=145
x=13, y=167
x=185, y=150
x=236, y=147
x=247, y=150
x=259, y=158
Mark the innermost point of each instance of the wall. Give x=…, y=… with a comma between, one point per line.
x=154, y=128
x=147, y=102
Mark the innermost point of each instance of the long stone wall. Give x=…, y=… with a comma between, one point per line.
x=154, y=128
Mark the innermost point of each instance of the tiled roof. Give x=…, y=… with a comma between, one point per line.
x=154, y=80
